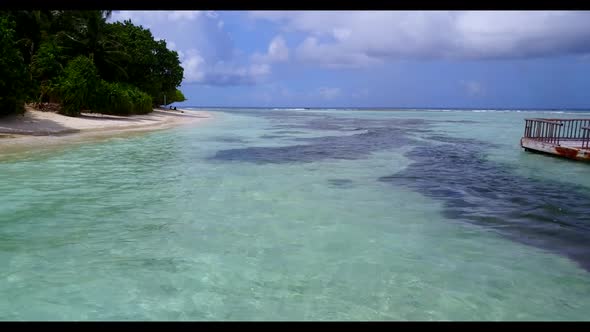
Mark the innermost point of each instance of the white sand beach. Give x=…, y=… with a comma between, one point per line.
x=37, y=129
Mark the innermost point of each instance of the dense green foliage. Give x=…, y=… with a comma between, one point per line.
x=77, y=86
x=122, y=99
x=78, y=59
x=174, y=96
x=149, y=65
x=12, y=70
x=178, y=96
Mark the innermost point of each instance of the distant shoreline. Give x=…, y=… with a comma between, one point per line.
x=433, y=109
x=38, y=130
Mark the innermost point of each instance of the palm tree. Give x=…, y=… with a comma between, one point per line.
x=88, y=37
x=28, y=32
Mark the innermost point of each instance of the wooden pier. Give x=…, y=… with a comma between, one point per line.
x=569, y=138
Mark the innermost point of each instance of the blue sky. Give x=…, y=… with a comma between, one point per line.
x=480, y=59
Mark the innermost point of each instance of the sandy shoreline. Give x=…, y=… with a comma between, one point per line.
x=38, y=130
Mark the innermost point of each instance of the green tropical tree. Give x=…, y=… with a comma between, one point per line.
x=12, y=69
x=151, y=66
x=46, y=67
x=78, y=59
x=87, y=35
x=77, y=86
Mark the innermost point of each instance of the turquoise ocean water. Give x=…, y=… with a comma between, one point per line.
x=299, y=215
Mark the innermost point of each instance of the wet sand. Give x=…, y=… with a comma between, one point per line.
x=36, y=130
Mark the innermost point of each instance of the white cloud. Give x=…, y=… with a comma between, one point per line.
x=277, y=52
x=205, y=50
x=277, y=49
x=232, y=74
x=358, y=38
x=313, y=51
x=199, y=70
x=194, y=67
x=183, y=15
x=473, y=88
x=329, y=93
x=341, y=34
x=259, y=70
x=150, y=17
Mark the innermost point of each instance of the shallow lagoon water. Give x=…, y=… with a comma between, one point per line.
x=299, y=215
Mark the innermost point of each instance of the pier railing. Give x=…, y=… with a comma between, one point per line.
x=554, y=131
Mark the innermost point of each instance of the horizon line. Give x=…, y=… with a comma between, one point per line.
x=395, y=107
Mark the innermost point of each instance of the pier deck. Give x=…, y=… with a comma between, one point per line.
x=568, y=138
